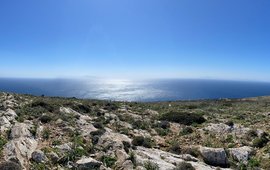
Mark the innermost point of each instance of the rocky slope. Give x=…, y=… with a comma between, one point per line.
x=67, y=133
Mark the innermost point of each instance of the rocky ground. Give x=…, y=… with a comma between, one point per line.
x=67, y=133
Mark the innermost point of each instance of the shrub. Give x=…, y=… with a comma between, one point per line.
x=260, y=142
x=141, y=141
x=132, y=158
x=253, y=163
x=45, y=118
x=10, y=166
x=151, y=166
x=127, y=145
x=184, y=166
x=183, y=118
x=46, y=134
x=98, y=125
x=138, y=124
x=230, y=123
x=108, y=161
x=164, y=124
x=3, y=141
x=97, y=132
x=175, y=148
x=162, y=132
x=42, y=104
x=81, y=108
x=186, y=130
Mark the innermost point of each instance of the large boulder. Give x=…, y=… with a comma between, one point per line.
x=214, y=156
x=88, y=163
x=241, y=154
x=21, y=146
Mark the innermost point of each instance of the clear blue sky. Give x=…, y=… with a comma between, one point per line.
x=224, y=39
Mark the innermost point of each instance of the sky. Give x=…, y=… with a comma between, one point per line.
x=213, y=39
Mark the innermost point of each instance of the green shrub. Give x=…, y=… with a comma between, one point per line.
x=261, y=141
x=138, y=124
x=151, y=166
x=45, y=105
x=98, y=132
x=175, y=148
x=10, y=166
x=142, y=141
x=46, y=133
x=162, y=132
x=45, y=118
x=132, y=158
x=186, y=130
x=163, y=124
x=108, y=161
x=3, y=141
x=184, y=166
x=253, y=163
x=183, y=118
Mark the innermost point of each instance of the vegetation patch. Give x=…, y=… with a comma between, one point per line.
x=142, y=141
x=183, y=118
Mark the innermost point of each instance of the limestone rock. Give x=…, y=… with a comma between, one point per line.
x=165, y=160
x=22, y=145
x=241, y=154
x=112, y=140
x=127, y=165
x=214, y=156
x=88, y=163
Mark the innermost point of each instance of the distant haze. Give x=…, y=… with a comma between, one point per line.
x=209, y=39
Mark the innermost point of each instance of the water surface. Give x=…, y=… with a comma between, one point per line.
x=130, y=90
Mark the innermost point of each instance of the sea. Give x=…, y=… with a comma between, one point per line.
x=136, y=90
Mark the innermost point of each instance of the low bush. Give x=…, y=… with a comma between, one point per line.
x=186, y=130
x=260, y=142
x=45, y=118
x=10, y=166
x=46, y=133
x=183, y=118
x=142, y=141
x=184, y=166
x=162, y=132
x=108, y=161
x=175, y=148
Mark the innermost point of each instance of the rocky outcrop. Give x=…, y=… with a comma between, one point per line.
x=222, y=129
x=21, y=146
x=82, y=123
x=166, y=160
x=88, y=163
x=214, y=156
x=241, y=154
x=113, y=141
x=6, y=119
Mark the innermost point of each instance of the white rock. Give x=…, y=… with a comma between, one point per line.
x=22, y=145
x=88, y=163
x=165, y=160
x=241, y=154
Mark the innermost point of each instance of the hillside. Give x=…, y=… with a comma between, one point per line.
x=68, y=133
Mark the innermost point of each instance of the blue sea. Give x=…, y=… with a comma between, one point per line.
x=136, y=90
